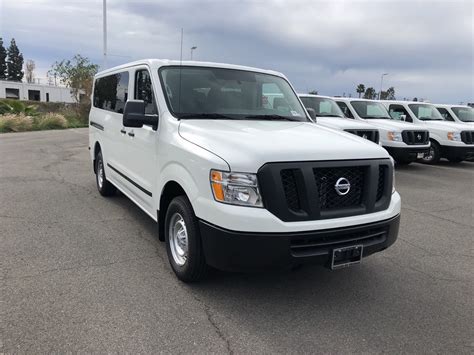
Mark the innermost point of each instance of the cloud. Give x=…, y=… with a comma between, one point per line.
x=331, y=46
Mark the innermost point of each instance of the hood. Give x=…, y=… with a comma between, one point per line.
x=247, y=145
x=389, y=124
x=344, y=123
x=449, y=126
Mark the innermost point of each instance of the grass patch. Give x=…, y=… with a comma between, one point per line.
x=15, y=123
x=50, y=121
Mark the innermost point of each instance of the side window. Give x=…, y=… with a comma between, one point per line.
x=445, y=114
x=396, y=111
x=111, y=92
x=345, y=110
x=144, y=91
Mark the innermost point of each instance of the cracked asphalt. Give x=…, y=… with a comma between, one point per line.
x=81, y=273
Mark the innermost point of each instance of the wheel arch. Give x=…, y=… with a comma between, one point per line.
x=97, y=149
x=170, y=190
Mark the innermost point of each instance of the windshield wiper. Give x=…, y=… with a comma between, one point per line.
x=273, y=117
x=327, y=115
x=207, y=115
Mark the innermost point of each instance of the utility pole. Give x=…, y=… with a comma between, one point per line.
x=104, y=64
x=381, y=83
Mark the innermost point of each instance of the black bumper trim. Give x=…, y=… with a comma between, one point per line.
x=408, y=154
x=466, y=152
x=236, y=251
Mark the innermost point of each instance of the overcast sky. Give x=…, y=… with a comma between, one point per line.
x=427, y=47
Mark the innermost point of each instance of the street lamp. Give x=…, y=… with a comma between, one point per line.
x=381, y=83
x=192, y=49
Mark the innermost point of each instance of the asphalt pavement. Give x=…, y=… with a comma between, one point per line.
x=82, y=273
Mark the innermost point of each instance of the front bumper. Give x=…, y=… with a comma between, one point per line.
x=406, y=154
x=461, y=152
x=234, y=251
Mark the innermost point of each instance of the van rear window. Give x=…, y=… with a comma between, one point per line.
x=111, y=92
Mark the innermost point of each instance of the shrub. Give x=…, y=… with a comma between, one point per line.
x=51, y=120
x=14, y=106
x=15, y=123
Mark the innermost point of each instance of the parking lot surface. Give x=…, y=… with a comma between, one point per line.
x=83, y=273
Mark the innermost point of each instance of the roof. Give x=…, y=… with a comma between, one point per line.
x=320, y=96
x=157, y=63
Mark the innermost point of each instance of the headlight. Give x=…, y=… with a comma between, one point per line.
x=454, y=136
x=236, y=188
x=393, y=174
x=394, y=136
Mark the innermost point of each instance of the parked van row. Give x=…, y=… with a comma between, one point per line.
x=409, y=131
x=235, y=171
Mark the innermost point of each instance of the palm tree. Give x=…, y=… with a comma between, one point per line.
x=360, y=89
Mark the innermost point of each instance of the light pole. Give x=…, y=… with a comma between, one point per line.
x=192, y=49
x=104, y=5
x=381, y=83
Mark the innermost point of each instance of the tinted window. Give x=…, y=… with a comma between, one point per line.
x=144, y=90
x=345, y=110
x=445, y=114
x=111, y=92
x=322, y=106
x=396, y=111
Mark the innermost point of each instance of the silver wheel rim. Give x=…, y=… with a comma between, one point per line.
x=430, y=156
x=100, y=174
x=178, y=239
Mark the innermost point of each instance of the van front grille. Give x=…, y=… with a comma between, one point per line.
x=371, y=135
x=467, y=137
x=415, y=137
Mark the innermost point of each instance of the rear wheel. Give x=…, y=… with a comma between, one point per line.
x=434, y=154
x=105, y=188
x=183, y=241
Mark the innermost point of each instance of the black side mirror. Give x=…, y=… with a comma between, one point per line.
x=312, y=113
x=403, y=117
x=134, y=115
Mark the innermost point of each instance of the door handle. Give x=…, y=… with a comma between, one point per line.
x=131, y=134
x=123, y=131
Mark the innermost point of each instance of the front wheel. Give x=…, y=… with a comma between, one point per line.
x=433, y=156
x=183, y=241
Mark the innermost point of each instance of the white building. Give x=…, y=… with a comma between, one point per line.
x=34, y=92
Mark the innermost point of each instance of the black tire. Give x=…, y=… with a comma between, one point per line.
x=434, y=155
x=105, y=187
x=455, y=159
x=194, y=267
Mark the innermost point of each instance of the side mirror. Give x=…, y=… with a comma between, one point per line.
x=311, y=113
x=403, y=117
x=134, y=115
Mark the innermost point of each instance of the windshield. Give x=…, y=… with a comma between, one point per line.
x=217, y=93
x=323, y=107
x=465, y=114
x=426, y=112
x=370, y=110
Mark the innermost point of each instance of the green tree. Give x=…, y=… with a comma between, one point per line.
x=370, y=93
x=14, y=62
x=77, y=74
x=360, y=89
x=3, y=61
x=389, y=94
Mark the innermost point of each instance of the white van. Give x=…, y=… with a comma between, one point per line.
x=328, y=114
x=233, y=183
x=456, y=113
x=450, y=140
x=406, y=143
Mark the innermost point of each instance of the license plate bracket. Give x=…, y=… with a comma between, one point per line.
x=346, y=256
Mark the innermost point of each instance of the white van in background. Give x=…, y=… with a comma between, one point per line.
x=456, y=113
x=328, y=114
x=406, y=143
x=234, y=182
x=451, y=140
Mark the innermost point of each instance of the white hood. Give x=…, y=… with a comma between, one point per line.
x=343, y=123
x=389, y=124
x=247, y=145
x=447, y=126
